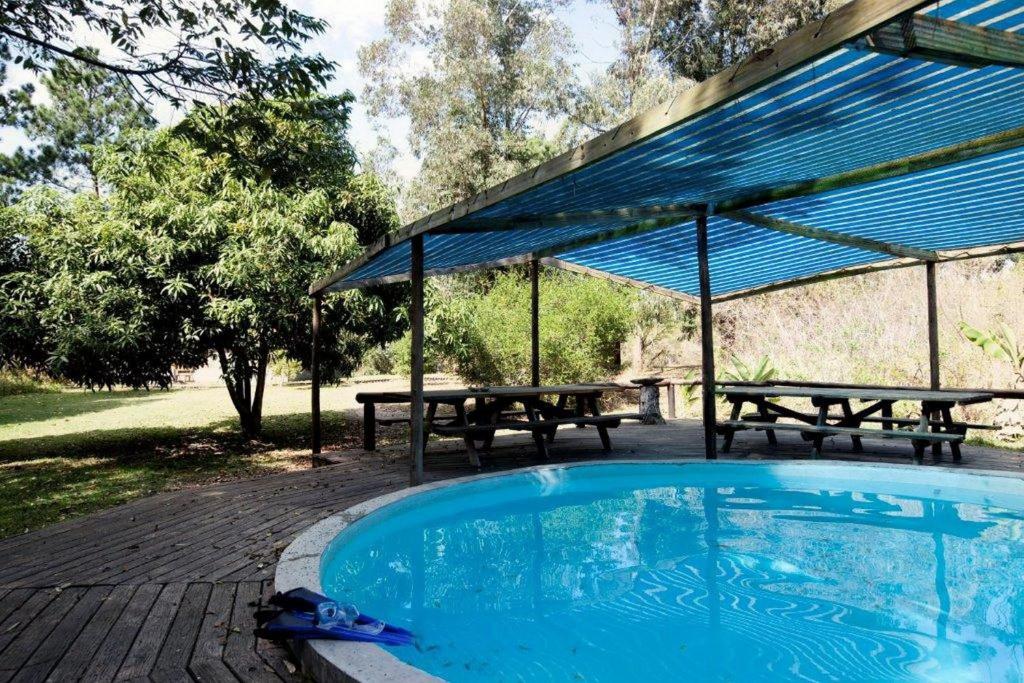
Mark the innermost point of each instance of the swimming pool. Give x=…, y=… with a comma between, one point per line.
x=696, y=571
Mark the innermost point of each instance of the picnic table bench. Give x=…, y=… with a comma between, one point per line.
x=934, y=427
x=495, y=408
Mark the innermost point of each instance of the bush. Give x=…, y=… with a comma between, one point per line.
x=17, y=382
x=484, y=336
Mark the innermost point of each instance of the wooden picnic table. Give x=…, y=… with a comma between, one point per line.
x=492, y=409
x=934, y=426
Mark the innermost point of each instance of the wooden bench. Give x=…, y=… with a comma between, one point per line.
x=817, y=433
x=901, y=421
x=540, y=428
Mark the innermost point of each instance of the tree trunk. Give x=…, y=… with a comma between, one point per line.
x=238, y=380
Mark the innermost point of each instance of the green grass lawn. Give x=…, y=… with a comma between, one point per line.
x=69, y=453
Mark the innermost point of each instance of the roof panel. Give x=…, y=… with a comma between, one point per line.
x=844, y=110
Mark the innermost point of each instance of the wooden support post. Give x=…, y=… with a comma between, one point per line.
x=416, y=435
x=535, y=322
x=933, y=326
x=707, y=344
x=314, y=375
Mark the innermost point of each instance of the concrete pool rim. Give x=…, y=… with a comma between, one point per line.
x=299, y=565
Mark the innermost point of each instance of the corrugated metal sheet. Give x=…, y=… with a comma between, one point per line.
x=846, y=110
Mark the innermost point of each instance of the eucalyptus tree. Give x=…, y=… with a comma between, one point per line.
x=478, y=81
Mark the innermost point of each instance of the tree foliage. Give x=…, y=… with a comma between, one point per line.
x=484, y=336
x=179, y=50
x=206, y=244
x=495, y=71
x=698, y=38
x=87, y=107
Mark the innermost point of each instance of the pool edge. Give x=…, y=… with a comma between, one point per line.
x=350, y=662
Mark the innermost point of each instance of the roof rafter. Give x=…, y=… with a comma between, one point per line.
x=965, y=151
x=822, y=235
x=944, y=256
x=539, y=220
x=620, y=279
x=927, y=37
x=564, y=245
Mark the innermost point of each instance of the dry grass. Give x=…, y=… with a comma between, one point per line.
x=872, y=329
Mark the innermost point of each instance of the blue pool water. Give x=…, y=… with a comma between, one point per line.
x=699, y=572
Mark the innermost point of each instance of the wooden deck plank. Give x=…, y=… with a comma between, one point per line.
x=143, y=654
x=206, y=663
x=274, y=653
x=83, y=649
x=53, y=647
x=240, y=648
x=18, y=653
x=172, y=662
x=232, y=533
x=19, y=619
x=106, y=661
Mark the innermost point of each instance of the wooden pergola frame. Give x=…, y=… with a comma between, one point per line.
x=890, y=26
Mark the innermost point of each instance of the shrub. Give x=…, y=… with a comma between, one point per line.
x=484, y=334
x=18, y=382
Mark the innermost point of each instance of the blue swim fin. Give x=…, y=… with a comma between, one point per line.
x=311, y=615
x=299, y=626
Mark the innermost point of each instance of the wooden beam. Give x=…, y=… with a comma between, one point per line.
x=535, y=323
x=416, y=435
x=314, y=376
x=931, y=38
x=620, y=279
x=990, y=144
x=848, y=23
x=944, y=256
x=707, y=343
x=965, y=151
x=566, y=245
x=865, y=243
x=541, y=221
x=933, y=326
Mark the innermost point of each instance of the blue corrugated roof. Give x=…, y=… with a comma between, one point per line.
x=844, y=110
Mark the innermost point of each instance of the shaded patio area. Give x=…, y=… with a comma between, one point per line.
x=165, y=588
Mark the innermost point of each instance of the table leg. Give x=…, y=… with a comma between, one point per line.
x=538, y=434
x=930, y=412
x=670, y=399
x=762, y=410
x=737, y=407
x=947, y=420
x=370, y=426
x=431, y=414
x=602, y=430
x=819, y=439
x=847, y=414
x=460, y=415
x=886, y=412
x=494, y=412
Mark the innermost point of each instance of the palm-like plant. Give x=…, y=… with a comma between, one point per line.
x=1000, y=344
x=762, y=371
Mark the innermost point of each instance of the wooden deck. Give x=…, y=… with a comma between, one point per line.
x=165, y=588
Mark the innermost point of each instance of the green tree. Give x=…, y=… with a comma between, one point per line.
x=206, y=244
x=484, y=336
x=635, y=82
x=88, y=107
x=496, y=71
x=698, y=38
x=180, y=50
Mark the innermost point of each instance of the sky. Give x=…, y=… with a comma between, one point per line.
x=354, y=23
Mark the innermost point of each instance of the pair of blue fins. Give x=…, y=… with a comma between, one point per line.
x=305, y=615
